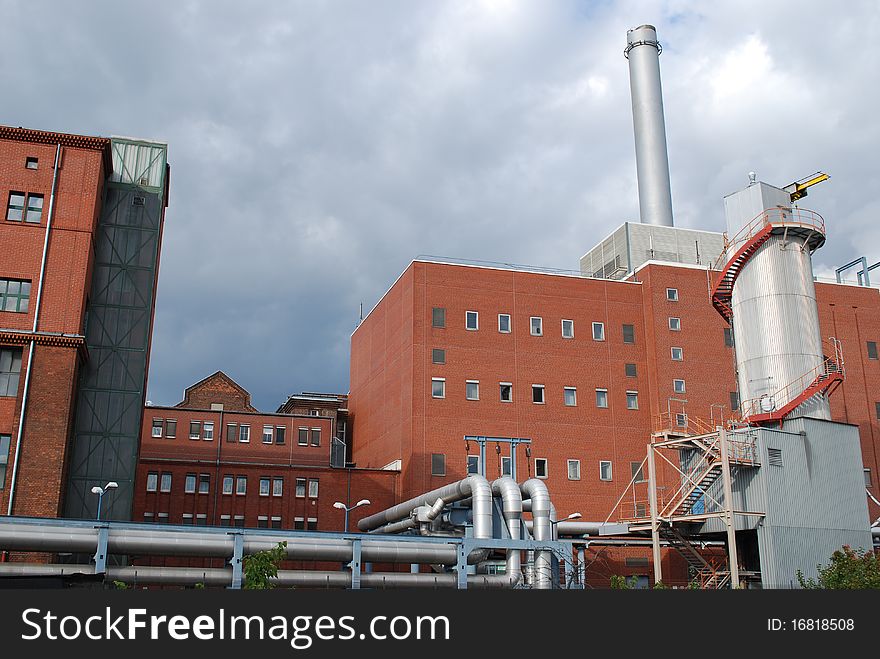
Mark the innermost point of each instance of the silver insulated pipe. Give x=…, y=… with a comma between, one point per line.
x=536, y=491
x=652, y=163
x=512, y=509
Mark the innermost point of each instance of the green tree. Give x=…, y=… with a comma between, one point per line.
x=619, y=582
x=260, y=568
x=849, y=569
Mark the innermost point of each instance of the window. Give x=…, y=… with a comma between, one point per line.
x=774, y=457
x=312, y=524
x=31, y=163
x=264, y=487
x=598, y=331
x=505, y=465
x=630, y=370
x=15, y=206
x=574, y=470
x=189, y=486
x=262, y=522
x=15, y=295
x=277, y=487
x=279, y=434
x=244, y=433
x=267, y=434
x=472, y=389
x=31, y=211
x=195, y=430
x=171, y=428
x=672, y=294
x=868, y=482
x=438, y=317
x=567, y=329
x=204, y=483
x=225, y=520
x=208, y=431
x=300, y=487
x=438, y=464
x=315, y=436
x=536, y=326
x=313, y=488
x=678, y=386
x=302, y=437
x=504, y=323
x=677, y=354
x=438, y=388
x=728, y=337
x=632, y=400
x=165, y=484
x=604, y=470
x=162, y=518
x=506, y=390
x=681, y=420
x=629, y=333
x=637, y=472
x=238, y=521
x=471, y=320
x=438, y=356
x=872, y=350
x=231, y=432
x=34, y=208
x=641, y=510
x=201, y=519
x=241, y=485
x=734, y=400
x=473, y=464
x=276, y=523
x=157, y=427
x=4, y=461
x=149, y=517
x=152, y=477
x=570, y=396
x=877, y=410
x=540, y=467
x=538, y=394
x=601, y=398
x=675, y=324
x=227, y=484
x=299, y=524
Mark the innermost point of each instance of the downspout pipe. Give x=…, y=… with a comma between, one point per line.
x=27, y=376
x=512, y=509
x=536, y=491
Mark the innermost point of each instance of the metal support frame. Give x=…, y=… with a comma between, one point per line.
x=862, y=274
x=101, y=550
x=355, y=564
x=655, y=526
x=236, y=560
x=512, y=441
x=462, y=564
x=732, y=561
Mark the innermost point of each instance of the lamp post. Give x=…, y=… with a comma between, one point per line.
x=101, y=491
x=348, y=509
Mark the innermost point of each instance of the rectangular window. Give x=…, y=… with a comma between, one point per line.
x=204, y=483
x=238, y=521
x=472, y=389
x=677, y=354
x=313, y=488
x=872, y=350
x=244, y=433
x=473, y=464
x=302, y=437
x=598, y=331
x=438, y=317
x=774, y=457
x=277, y=487
x=15, y=295
x=162, y=518
x=538, y=394
x=504, y=323
x=541, y=468
x=300, y=487
x=299, y=524
x=471, y=320
x=231, y=432
x=601, y=398
x=208, y=431
x=195, y=430
x=438, y=356
x=312, y=524
x=279, y=434
x=149, y=517
x=158, y=424
x=574, y=470
x=567, y=329
x=672, y=294
x=506, y=390
x=637, y=472
x=276, y=523
x=34, y=208
x=728, y=337
x=438, y=464
x=31, y=163
x=505, y=465
x=189, y=486
x=570, y=396
x=632, y=400
x=227, y=484
x=267, y=434
x=438, y=388
x=629, y=333
x=734, y=400
x=201, y=519
x=170, y=428
x=10, y=371
x=630, y=370
x=641, y=510
x=605, y=470
x=681, y=420
x=877, y=410
x=536, y=326
x=678, y=386
x=262, y=521
x=241, y=485
x=165, y=484
x=674, y=324
x=225, y=520
x=152, y=477
x=15, y=207
x=265, y=484
x=315, y=436
x=868, y=482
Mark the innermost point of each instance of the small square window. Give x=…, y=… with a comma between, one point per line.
x=536, y=326
x=504, y=323
x=31, y=163
x=872, y=350
x=598, y=331
x=728, y=337
x=681, y=420
x=677, y=354
x=438, y=464
x=570, y=396
x=567, y=329
x=672, y=294
x=472, y=320
x=605, y=470
x=630, y=370
x=574, y=470
x=678, y=386
x=188, y=518
x=538, y=393
x=601, y=398
x=276, y=522
x=262, y=521
x=632, y=400
x=438, y=388
x=438, y=317
x=312, y=524
x=299, y=524
x=637, y=472
x=438, y=356
x=472, y=390
x=506, y=391
x=225, y=520
x=541, y=468
x=675, y=324
x=629, y=334
x=473, y=464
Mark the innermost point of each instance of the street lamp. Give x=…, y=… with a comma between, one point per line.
x=101, y=491
x=570, y=517
x=347, y=509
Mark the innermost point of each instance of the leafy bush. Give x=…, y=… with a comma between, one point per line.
x=849, y=569
x=260, y=568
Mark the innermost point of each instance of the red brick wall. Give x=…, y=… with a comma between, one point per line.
x=217, y=389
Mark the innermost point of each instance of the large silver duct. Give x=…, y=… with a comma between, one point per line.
x=652, y=163
x=536, y=491
x=512, y=509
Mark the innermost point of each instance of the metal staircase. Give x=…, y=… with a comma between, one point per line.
x=708, y=575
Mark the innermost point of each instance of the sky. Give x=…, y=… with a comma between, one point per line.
x=317, y=147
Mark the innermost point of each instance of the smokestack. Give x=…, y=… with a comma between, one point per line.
x=652, y=164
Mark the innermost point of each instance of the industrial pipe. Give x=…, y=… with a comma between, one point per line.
x=536, y=491
x=512, y=509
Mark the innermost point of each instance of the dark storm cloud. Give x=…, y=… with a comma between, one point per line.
x=316, y=148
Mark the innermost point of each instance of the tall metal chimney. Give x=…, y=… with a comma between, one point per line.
x=652, y=164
